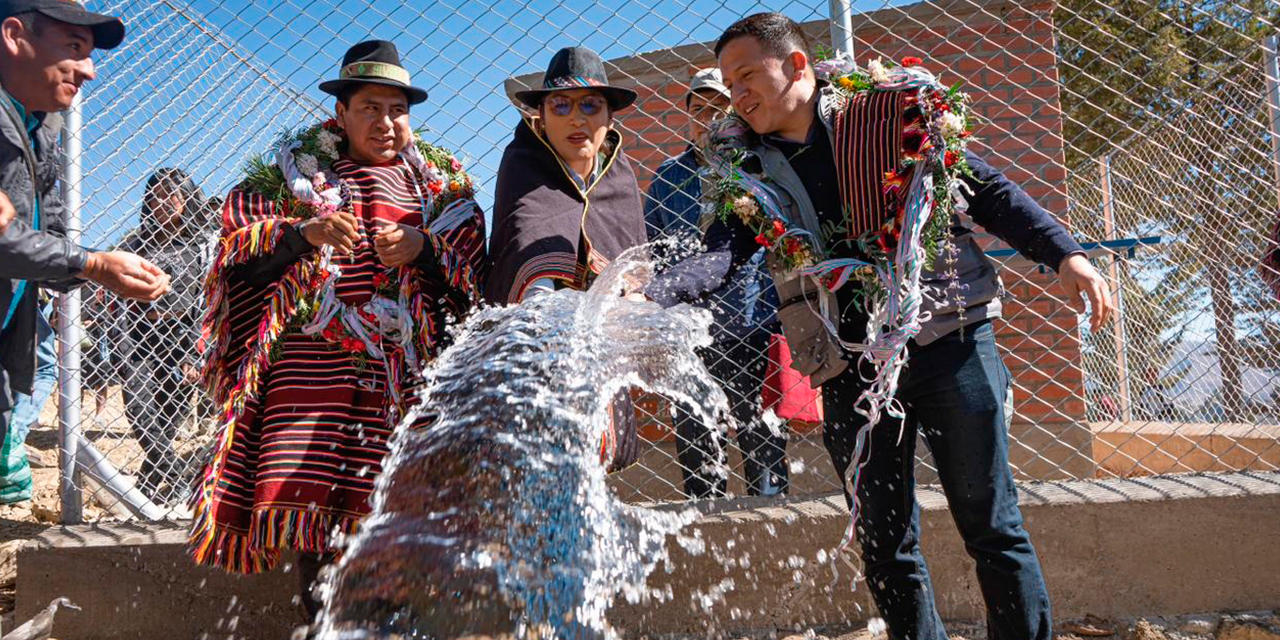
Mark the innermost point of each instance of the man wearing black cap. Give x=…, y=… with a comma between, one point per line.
x=44, y=59
x=743, y=312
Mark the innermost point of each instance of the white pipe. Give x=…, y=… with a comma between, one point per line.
x=841, y=27
x=100, y=470
x=69, y=329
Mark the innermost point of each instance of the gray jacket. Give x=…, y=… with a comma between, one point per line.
x=996, y=203
x=44, y=257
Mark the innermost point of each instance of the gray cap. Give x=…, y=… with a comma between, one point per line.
x=707, y=80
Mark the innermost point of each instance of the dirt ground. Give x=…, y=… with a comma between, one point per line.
x=1255, y=625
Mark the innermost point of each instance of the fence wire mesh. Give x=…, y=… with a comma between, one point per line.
x=1146, y=125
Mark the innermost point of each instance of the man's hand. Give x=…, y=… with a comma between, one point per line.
x=1079, y=279
x=127, y=275
x=338, y=230
x=7, y=213
x=397, y=244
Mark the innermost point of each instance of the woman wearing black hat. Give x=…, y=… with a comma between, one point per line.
x=567, y=202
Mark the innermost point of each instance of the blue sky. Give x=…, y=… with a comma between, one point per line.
x=204, y=84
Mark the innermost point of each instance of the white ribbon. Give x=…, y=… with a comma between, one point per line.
x=301, y=185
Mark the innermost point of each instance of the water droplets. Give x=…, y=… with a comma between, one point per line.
x=495, y=508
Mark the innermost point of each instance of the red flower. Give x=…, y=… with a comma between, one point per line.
x=436, y=187
x=966, y=134
x=330, y=124
x=368, y=315
x=762, y=241
x=912, y=61
x=352, y=344
x=381, y=280
x=950, y=158
x=778, y=228
x=793, y=246
x=329, y=335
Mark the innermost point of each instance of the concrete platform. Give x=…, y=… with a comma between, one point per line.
x=1116, y=548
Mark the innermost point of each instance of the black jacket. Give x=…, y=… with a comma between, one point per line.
x=45, y=258
x=546, y=226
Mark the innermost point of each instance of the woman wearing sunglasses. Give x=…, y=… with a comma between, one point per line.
x=567, y=202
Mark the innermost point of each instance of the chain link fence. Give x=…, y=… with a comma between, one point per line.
x=1147, y=126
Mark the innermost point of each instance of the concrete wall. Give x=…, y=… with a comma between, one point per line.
x=1144, y=448
x=1121, y=548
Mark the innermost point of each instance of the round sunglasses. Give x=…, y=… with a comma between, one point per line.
x=563, y=105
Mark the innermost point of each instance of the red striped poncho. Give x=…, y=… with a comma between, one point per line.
x=305, y=421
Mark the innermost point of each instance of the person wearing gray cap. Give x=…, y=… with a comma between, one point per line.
x=45, y=48
x=743, y=312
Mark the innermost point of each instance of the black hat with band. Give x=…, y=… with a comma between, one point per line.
x=108, y=31
x=577, y=68
x=373, y=62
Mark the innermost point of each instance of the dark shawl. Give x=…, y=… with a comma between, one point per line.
x=540, y=218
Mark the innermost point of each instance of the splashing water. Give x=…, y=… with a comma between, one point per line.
x=493, y=516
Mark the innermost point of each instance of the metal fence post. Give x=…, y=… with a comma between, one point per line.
x=841, y=27
x=1121, y=342
x=69, y=325
x=1272, y=73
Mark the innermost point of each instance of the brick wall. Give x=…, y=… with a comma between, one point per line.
x=1004, y=53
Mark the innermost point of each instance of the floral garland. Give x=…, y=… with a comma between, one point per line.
x=925, y=190
x=302, y=185
x=310, y=189
x=738, y=195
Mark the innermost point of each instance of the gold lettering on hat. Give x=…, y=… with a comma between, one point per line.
x=382, y=70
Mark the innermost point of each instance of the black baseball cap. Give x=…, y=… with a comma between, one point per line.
x=108, y=31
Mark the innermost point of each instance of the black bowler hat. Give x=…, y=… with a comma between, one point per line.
x=577, y=68
x=374, y=62
x=108, y=31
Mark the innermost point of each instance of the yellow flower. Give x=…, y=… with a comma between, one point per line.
x=454, y=186
x=845, y=82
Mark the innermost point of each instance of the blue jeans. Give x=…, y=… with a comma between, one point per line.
x=27, y=408
x=954, y=392
x=15, y=469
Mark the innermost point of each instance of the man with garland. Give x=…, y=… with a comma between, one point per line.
x=954, y=389
x=340, y=265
